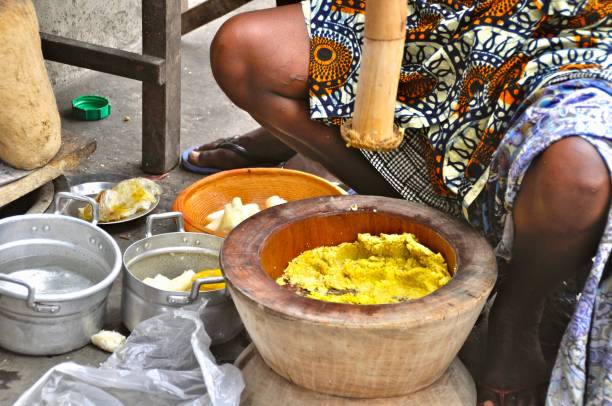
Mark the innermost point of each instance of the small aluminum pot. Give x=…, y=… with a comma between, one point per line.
x=55, y=275
x=170, y=255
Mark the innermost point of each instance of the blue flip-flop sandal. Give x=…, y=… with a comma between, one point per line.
x=229, y=144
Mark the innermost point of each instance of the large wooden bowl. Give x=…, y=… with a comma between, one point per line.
x=349, y=350
x=252, y=185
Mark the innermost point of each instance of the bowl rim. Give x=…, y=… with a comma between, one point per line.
x=25, y=220
x=241, y=251
x=185, y=194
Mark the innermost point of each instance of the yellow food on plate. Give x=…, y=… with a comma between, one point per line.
x=207, y=273
x=124, y=200
x=388, y=268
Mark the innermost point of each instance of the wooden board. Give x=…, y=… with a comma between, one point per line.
x=74, y=149
x=265, y=388
x=206, y=12
x=145, y=68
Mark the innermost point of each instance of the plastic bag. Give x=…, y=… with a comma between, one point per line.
x=165, y=361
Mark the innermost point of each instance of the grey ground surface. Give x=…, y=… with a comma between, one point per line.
x=206, y=115
x=116, y=24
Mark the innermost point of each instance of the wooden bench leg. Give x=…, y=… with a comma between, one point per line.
x=161, y=104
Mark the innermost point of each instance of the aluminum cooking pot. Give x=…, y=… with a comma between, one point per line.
x=170, y=255
x=55, y=275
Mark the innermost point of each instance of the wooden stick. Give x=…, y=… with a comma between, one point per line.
x=372, y=126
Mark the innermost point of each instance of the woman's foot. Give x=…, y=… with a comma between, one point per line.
x=529, y=396
x=257, y=147
x=515, y=372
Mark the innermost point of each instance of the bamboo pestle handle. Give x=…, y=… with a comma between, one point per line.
x=372, y=126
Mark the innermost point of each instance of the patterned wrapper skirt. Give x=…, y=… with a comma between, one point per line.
x=483, y=91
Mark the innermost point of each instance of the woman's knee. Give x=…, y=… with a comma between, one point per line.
x=230, y=54
x=567, y=190
x=262, y=52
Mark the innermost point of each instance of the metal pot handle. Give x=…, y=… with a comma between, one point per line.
x=195, y=290
x=72, y=196
x=176, y=215
x=30, y=299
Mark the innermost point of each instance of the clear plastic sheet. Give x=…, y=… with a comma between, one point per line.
x=165, y=361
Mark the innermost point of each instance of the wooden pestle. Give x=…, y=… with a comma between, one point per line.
x=372, y=126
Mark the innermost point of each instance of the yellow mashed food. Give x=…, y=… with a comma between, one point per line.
x=208, y=273
x=388, y=268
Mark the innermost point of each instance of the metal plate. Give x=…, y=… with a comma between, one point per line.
x=9, y=174
x=91, y=189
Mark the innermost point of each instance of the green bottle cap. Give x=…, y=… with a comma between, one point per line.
x=91, y=107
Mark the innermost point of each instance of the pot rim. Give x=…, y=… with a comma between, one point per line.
x=79, y=294
x=241, y=264
x=182, y=233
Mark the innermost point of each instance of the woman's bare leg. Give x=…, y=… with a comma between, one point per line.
x=559, y=218
x=260, y=60
x=263, y=145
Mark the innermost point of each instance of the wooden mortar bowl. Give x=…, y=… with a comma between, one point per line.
x=361, y=351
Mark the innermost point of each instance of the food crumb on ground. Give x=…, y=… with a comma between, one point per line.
x=107, y=340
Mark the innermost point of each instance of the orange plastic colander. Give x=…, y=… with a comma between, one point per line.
x=252, y=185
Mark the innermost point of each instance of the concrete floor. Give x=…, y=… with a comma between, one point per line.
x=206, y=115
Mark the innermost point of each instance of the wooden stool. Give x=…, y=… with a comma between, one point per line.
x=265, y=388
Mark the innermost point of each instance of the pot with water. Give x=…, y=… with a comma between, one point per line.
x=55, y=275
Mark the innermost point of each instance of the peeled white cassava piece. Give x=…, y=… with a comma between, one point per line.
x=107, y=340
x=234, y=213
x=274, y=201
x=181, y=283
x=30, y=133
